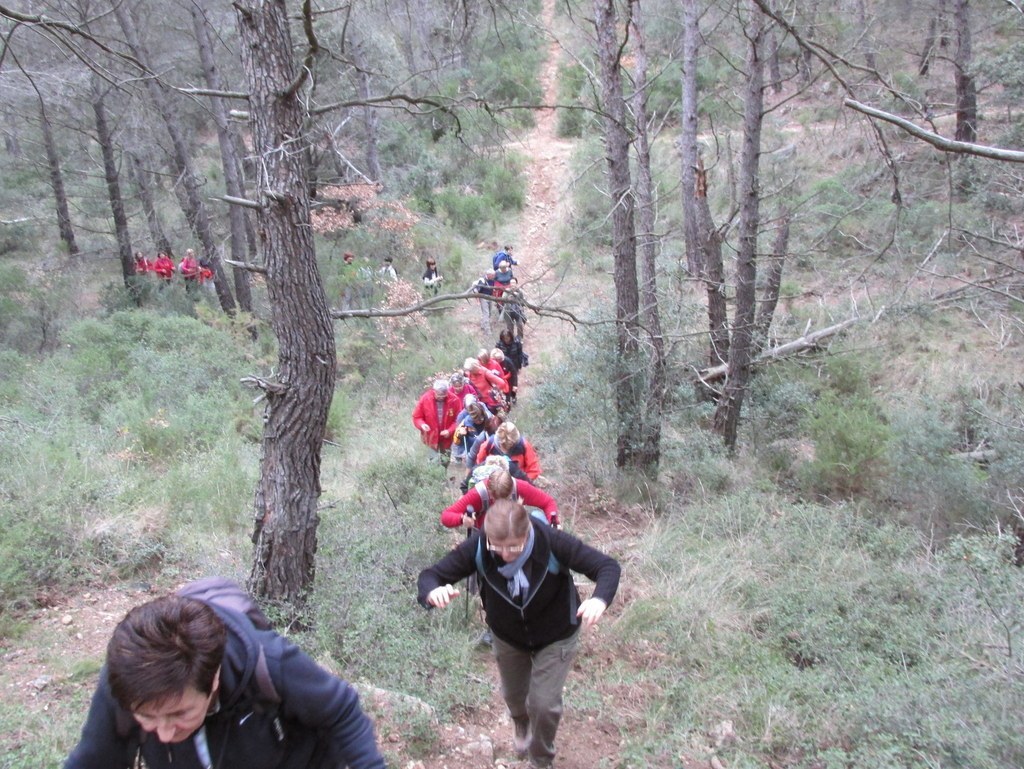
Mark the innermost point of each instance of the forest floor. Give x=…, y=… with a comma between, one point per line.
x=38, y=669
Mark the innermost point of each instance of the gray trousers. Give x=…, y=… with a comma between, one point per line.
x=531, y=683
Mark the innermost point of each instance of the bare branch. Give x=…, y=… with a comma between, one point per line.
x=559, y=313
x=939, y=142
x=246, y=266
x=243, y=202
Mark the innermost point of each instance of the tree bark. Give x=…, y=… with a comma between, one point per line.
x=297, y=404
x=106, y=142
x=60, y=196
x=194, y=208
x=654, y=406
x=966, y=93
x=726, y=419
x=773, y=284
x=689, y=152
x=627, y=300
x=230, y=161
x=713, y=274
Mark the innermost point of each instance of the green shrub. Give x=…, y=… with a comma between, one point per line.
x=372, y=548
x=850, y=446
x=573, y=89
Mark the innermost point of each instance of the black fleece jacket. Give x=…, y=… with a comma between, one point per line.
x=548, y=613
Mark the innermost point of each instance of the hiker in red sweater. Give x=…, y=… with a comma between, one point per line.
x=434, y=416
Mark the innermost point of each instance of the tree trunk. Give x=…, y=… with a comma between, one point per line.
x=60, y=196
x=713, y=275
x=229, y=157
x=726, y=420
x=654, y=407
x=194, y=208
x=774, y=65
x=141, y=177
x=297, y=404
x=773, y=284
x=628, y=383
x=869, y=49
x=371, y=119
x=966, y=93
x=688, y=140
x=106, y=142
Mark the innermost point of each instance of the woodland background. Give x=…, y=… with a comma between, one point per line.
x=825, y=576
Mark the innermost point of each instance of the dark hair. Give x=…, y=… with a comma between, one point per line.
x=162, y=648
x=506, y=520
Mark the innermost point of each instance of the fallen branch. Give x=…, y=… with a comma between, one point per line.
x=805, y=342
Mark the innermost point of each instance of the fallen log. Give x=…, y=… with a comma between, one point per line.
x=805, y=342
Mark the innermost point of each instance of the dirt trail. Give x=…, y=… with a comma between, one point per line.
x=483, y=737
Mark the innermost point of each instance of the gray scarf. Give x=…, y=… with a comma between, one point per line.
x=518, y=584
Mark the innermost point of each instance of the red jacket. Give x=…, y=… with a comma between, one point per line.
x=522, y=453
x=164, y=267
x=483, y=379
x=526, y=493
x=425, y=413
x=189, y=268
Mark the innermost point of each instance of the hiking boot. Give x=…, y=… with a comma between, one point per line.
x=521, y=738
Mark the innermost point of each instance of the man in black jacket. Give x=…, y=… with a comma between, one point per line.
x=188, y=685
x=532, y=608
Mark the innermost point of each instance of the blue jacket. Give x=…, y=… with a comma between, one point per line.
x=317, y=722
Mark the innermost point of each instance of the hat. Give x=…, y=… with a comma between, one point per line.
x=441, y=385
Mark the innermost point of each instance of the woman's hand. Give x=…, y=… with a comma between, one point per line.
x=440, y=597
x=590, y=611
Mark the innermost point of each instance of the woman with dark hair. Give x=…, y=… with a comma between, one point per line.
x=187, y=686
x=532, y=608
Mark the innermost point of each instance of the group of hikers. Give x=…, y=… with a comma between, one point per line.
x=194, y=271
x=515, y=546
x=499, y=281
x=198, y=679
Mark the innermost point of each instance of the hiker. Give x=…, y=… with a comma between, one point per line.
x=189, y=269
x=387, y=271
x=434, y=416
x=349, y=278
x=471, y=508
x=142, y=264
x=489, y=385
x=502, y=278
x=188, y=684
x=432, y=279
x=484, y=286
x=503, y=255
x=459, y=385
x=512, y=313
x=163, y=267
x=474, y=420
x=205, y=270
x=532, y=608
x=510, y=374
x=507, y=440
x=513, y=349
